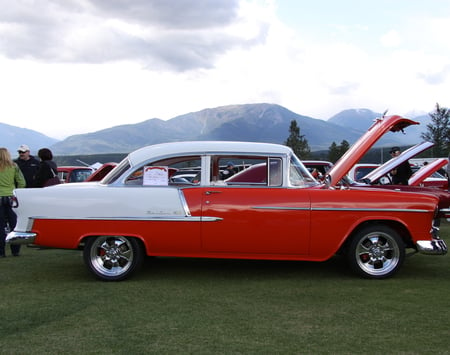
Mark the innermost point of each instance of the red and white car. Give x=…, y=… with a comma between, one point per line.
x=283, y=214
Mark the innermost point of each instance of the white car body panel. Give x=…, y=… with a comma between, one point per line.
x=99, y=201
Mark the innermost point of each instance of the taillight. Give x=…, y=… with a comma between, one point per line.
x=14, y=202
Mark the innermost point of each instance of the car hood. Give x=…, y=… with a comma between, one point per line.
x=356, y=152
x=391, y=164
x=427, y=171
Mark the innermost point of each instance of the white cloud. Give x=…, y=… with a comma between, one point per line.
x=80, y=65
x=391, y=39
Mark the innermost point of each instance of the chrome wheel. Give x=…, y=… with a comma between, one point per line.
x=376, y=252
x=112, y=258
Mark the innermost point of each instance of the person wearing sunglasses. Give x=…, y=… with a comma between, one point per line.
x=27, y=163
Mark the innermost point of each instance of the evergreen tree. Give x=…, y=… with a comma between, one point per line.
x=336, y=151
x=344, y=146
x=298, y=143
x=438, y=131
x=333, y=153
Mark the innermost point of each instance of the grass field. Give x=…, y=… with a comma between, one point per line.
x=50, y=304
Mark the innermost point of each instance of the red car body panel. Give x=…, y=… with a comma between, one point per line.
x=271, y=224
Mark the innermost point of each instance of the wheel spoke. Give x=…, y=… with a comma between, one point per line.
x=377, y=253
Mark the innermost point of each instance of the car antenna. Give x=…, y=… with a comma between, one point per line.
x=82, y=162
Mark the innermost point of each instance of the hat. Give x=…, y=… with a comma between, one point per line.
x=230, y=163
x=23, y=148
x=394, y=149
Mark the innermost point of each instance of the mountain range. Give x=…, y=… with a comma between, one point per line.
x=249, y=122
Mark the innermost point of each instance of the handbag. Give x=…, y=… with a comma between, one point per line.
x=53, y=180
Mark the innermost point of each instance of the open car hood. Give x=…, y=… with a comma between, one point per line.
x=362, y=145
x=391, y=164
x=426, y=171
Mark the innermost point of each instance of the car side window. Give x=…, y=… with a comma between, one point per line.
x=246, y=171
x=174, y=171
x=275, y=172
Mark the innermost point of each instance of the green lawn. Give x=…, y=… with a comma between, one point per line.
x=51, y=304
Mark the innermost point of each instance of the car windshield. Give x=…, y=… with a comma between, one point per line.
x=298, y=175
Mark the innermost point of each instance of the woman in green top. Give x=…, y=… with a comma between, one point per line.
x=10, y=178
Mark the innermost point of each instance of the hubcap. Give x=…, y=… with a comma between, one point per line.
x=377, y=254
x=111, y=256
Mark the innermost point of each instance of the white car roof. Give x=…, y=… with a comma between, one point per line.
x=205, y=147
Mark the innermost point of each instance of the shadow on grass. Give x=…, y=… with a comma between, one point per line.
x=69, y=264
x=164, y=267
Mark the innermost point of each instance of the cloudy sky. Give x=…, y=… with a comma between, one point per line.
x=78, y=66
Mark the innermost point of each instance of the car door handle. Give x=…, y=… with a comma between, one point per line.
x=212, y=192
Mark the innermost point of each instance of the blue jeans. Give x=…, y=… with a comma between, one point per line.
x=8, y=219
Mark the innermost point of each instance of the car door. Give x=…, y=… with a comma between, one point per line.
x=256, y=219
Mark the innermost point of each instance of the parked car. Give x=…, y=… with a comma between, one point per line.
x=74, y=173
x=358, y=171
x=285, y=214
x=318, y=168
x=425, y=176
x=101, y=172
x=435, y=179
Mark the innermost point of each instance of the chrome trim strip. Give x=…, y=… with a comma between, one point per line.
x=342, y=209
x=20, y=238
x=280, y=208
x=153, y=218
x=432, y=247
x=372, y=209
x=187, y=212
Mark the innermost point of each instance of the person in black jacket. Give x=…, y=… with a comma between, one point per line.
x=47, y=168
x=402, y=173
x=27, y=163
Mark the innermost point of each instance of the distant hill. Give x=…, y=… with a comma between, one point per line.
x=362, y=119
x=12, y=137
x=251, y=122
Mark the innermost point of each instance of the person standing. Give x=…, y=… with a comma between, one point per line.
x=228, y=172
x=10, y=178
x=47, y=168
x=402, y=173
x=27, y=163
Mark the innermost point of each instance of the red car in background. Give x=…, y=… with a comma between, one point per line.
x=101, y=172
x=74, y=173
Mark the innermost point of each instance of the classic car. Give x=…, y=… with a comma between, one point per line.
x=74, y=173
x=427, y=176
x=424, y=176
x=436, y=179
x=360, y=170
x=101, y=172
x=136, y=210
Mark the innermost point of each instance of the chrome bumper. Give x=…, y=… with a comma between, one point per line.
x=432, y=247
x=20, y=238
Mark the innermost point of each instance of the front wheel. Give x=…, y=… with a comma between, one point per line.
x=113, y=258
x=376, y=252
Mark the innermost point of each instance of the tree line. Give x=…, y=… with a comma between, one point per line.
x=437, y=132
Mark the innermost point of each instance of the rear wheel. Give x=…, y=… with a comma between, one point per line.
x=376, y=252
x=113, y=258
